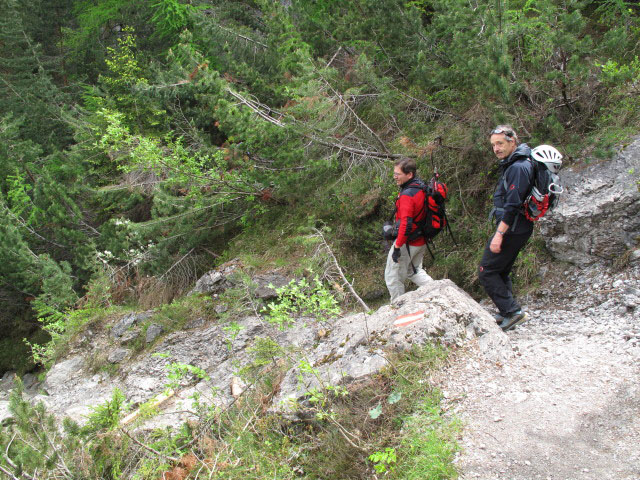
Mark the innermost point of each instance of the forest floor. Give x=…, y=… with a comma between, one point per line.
x=567, y=405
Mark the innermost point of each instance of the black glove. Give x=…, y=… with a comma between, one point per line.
x=395, y=255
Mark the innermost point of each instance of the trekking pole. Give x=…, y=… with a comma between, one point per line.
x=430, y=252
x=449, y=229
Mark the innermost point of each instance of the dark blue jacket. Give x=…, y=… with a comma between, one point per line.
x=513, y=188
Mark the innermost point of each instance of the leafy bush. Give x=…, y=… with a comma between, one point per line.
x=300, y=298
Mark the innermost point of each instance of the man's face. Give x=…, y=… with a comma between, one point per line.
x=400, y=177
x=503, y=146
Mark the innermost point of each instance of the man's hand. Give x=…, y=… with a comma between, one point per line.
x=496, y=243
x=396, y=254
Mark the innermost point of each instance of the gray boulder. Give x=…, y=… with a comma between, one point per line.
x=63, y=375
x=268, y=283
x=4, y=411
x=126, y=322
x=218, y=280
x=598, y=217
x=118, y=355
x=6, y=383
x=153, y=331
x=358, y=345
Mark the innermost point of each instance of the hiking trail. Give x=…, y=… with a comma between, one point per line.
x=567, y=405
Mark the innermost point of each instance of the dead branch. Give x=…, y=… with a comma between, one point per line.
x=9, y=474
x=175, y=264
x=357, y=151
x=264, y=112
x=247, y=39
x=434, y=110
x=257, y=107
x=340, y=272
x=14, y=466
x=334, y=56
x=148, y=448
x=362, y=122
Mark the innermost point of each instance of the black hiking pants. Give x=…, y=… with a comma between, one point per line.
x=494, y=272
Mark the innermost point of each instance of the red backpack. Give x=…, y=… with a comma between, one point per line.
x=436, y=219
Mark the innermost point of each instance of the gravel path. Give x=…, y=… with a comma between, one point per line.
x=567, y=405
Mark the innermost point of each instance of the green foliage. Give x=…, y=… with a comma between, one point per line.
x=384, y=461
x=178, y=372
x=171, y=17
x=107, y=415
x=27, y=89
x=616, y=74
x=302, y=299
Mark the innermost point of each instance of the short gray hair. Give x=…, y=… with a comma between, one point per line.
x=507, y=131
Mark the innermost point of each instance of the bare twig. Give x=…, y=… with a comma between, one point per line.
x=362, y=122
x=334, y=56
x=148, y=448
x=175, y=264
x=346, y=435
x=8, y=473
x=340, y=272
x=263, y=45
x=358, y=151
x=257, y=107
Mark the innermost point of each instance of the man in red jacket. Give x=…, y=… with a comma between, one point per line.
x=406, y=254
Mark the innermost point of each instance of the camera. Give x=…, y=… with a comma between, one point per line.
x=389, y=230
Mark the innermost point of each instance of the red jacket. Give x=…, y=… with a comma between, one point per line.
x=410, y=210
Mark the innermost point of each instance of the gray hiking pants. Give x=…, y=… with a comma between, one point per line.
x=395, y=274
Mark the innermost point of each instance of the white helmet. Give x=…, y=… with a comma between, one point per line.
x=548, y=155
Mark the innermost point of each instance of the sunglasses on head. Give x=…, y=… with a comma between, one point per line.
x=505, y=131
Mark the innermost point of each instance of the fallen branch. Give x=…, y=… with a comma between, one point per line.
x=334, y=57
x=148, y=448
x=337, y=266
x=358, y=151
x=14, y=466
x=8, y=473
x=175, y=264
x=344, y=102
x=216, y=24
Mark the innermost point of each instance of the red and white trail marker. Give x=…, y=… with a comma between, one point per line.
x=404, y=320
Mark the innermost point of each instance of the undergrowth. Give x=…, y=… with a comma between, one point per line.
x=389, y=425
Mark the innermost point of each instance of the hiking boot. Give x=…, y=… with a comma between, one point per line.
x=498, y=317
x=516, y=318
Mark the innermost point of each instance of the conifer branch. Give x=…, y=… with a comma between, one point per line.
x=13, y=465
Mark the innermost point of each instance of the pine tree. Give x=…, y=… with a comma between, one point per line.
x=26, y=88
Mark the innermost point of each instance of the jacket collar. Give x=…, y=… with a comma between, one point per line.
x=414, y=182
x=521, y=152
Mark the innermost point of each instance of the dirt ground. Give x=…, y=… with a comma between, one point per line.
x=567, y=405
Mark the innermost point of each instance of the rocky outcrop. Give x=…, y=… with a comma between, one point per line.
x=222, y=278
x=340, y=351
x=598, y=217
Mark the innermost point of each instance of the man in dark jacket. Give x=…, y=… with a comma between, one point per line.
x=406, y=254
x=513, y=228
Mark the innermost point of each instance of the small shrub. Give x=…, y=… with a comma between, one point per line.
x=300, y=298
